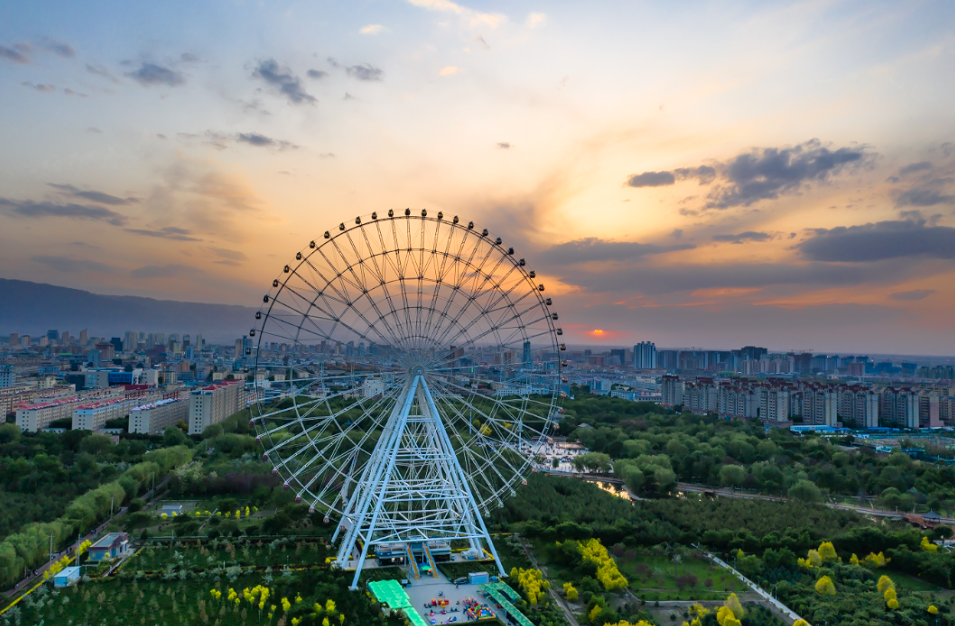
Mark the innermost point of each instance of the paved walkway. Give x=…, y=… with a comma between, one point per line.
x=779, y=606
x=571, y=618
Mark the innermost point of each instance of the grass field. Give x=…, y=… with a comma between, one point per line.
x=659, y=577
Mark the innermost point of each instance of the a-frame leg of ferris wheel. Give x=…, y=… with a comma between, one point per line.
x=413, y=488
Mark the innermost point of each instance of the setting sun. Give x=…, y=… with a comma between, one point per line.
x=597, y=331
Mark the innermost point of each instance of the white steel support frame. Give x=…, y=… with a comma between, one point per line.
x=413, y=488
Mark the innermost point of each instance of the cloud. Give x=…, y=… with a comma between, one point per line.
x=765, y=174
x=255, y=139
x=372, y=29
x=220, y=140
x=168, y=232
x=475, y=18
x=317, y=74
x=30, y=209
x=78, y=94
x=150, y=74
x=449, y=70
x=535, y=19
x=282, y=79
x=660, y=280
x=880, y=241
x=165, y=271
x=200, y=197
x=93, y=196
x=100, y=70
x=503, y=145
x=923, y=197
x=914, y=295
x=921, y=166
x=94, y=130
x=651, y=179
x=59, y=48
x=594, y=249
x=704, y=173
x=83, y=244
x=483, y=43
x=40, y=88
x=72, y=266
x=743, y=237
x=365, y=71
x=188, y=57
x=13, y=55
x=231, y=255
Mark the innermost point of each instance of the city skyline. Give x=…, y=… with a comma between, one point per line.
x=776, y=175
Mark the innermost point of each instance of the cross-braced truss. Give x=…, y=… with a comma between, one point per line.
x=407, y=369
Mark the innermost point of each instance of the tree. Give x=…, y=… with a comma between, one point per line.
x=825, y=586
x=732, y=475
x=592, y=461
x=805, y=491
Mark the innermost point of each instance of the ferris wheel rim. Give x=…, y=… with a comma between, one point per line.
x=476, y=460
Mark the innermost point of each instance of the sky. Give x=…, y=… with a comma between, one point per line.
x=695, y=174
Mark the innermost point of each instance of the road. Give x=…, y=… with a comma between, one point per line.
x=743, y=495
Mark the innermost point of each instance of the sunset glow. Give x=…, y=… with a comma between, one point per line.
x=664, y=179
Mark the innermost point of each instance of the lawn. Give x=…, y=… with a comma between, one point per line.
x=684, y=576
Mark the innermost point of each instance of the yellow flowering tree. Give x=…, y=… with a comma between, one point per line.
x=933, y=609
x=726, y=617
x=607, y=573
x=827, y=552
x=854, y=560
x=532, y=582
x=825, y=586
x=885, y=583
x=876, y=560
x=570, y=591
x=928, y=546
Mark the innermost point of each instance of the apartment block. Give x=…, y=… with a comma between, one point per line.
x=155, y=417
x=210, y=405
x=701, y=396
x=671, y=388
x=899, y=407
x=858, y=406
x=93, y=416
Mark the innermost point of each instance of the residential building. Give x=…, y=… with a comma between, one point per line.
x=8, y=377
x=645, y=355
x=701, y=396
x=858, y=406
x=93, y=416
x=155, y=417
x=671, y=388
x=210, y=405
x=899, y=407
x=929, y=410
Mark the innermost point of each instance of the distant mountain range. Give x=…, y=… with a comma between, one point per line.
x=33, y=308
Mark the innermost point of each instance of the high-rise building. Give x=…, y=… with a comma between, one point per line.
x=210, y=405
x=671, y=388
x=129, y=343
x=8, y=378
x=645, y=355
x=155, y=417
x=84, y=337
x=14, y=339
x=527, y=354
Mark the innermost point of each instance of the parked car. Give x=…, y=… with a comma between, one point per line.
x=461, y=581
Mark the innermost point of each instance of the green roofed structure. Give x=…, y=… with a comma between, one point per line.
x=499, y=597
x=391, y=593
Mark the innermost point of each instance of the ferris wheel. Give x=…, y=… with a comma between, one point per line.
x=407, y=369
